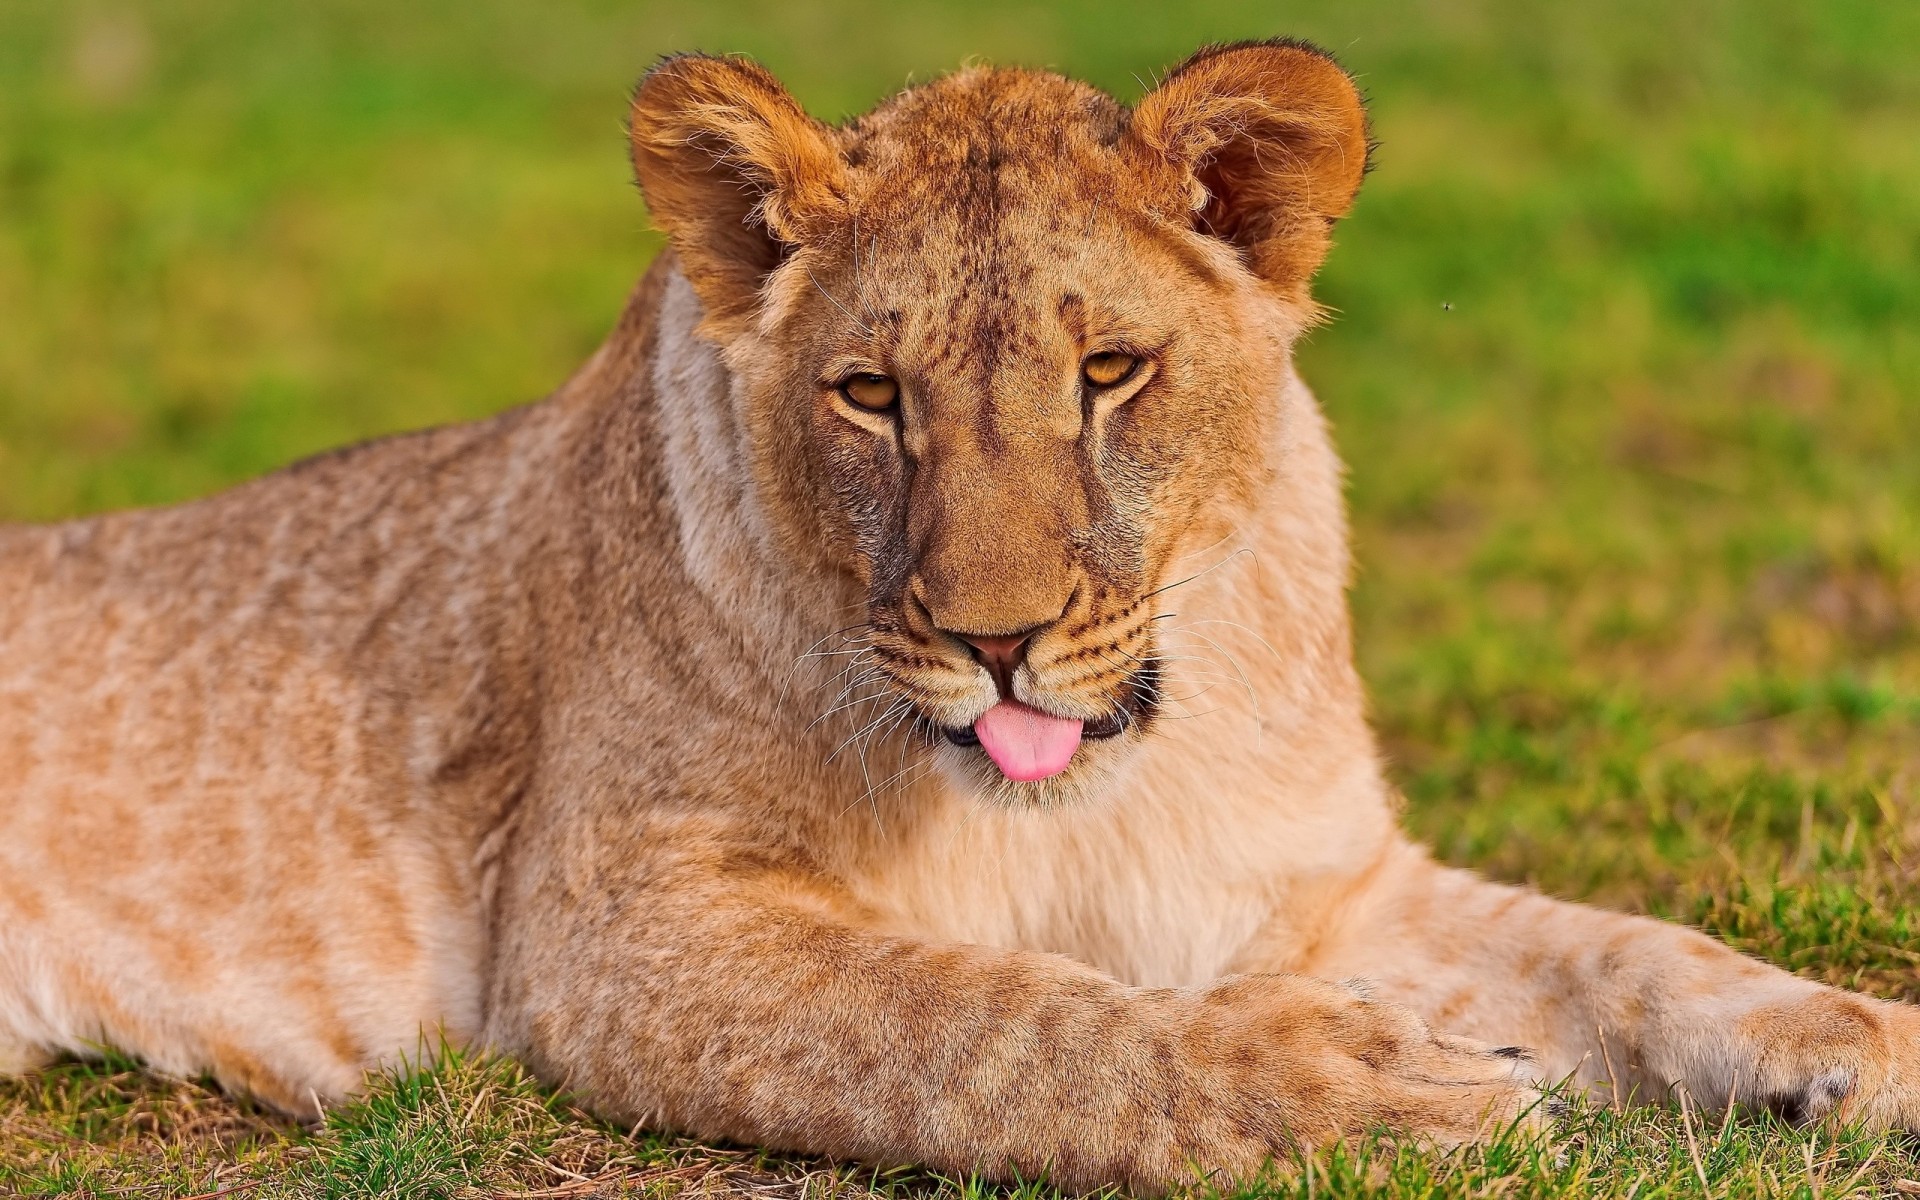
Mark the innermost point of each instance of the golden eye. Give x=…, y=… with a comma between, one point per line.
x=1106, y=370
x=871, y=391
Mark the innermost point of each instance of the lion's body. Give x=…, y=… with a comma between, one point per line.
x=228, y=834
x=541, y=733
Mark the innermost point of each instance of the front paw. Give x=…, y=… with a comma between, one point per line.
x=1893, y=1099
x=1836, y=1055
x=1343, y=1064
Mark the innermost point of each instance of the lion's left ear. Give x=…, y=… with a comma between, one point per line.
x=1266, y=142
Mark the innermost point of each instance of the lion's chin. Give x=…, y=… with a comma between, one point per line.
x=1020, y=755
x=1095, y=769
x=1095, y=765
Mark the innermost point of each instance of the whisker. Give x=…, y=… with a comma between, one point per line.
x=919, y=766
x=891, y=710
x=1224, y=538
x=861, y=325
x=841, y=703
x=1252, y=695
x=831, y=653
x=845, y=633
x=1243, y=628
x=1197, y=574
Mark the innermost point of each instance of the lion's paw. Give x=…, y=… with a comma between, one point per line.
x=1836, y=1055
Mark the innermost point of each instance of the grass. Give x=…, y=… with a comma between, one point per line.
x=1627, y=369
x=478, y=1127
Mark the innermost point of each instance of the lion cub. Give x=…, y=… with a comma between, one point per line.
x=768, y=735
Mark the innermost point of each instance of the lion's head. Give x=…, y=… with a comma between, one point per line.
x=1006, y=351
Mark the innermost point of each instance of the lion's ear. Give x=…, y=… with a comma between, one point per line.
x=734, y=171
x=1266, y=142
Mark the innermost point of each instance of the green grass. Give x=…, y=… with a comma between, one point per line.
x=1627, y=369
x=481, y=1127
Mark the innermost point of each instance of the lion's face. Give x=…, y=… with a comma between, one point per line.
x=1010, y=356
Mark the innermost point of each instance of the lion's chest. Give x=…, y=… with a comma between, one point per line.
x=1164, y=885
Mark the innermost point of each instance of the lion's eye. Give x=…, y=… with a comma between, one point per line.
x=1106, y=370
x=873, y=392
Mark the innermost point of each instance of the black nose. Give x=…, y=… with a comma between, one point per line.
x=1000, y=654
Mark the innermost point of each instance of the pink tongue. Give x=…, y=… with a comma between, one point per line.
x=1025, y=743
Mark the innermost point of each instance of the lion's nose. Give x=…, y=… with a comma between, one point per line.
x=1000, y=654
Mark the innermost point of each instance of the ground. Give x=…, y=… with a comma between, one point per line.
x=1626, y=364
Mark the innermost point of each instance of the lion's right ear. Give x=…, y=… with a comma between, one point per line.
x=734, y=171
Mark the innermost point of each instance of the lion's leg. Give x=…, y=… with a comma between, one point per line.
x=750, y=1009
x=1639, y=1003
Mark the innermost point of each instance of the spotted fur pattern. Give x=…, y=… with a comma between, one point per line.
x=613, y=732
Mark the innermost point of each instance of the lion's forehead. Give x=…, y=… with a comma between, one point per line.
x=985, y=120
x=977, y=158
x=1052, y=268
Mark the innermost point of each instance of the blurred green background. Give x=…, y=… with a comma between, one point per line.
x=1626, y=364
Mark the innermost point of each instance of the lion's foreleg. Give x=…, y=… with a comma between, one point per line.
x=1633, y=1004
x=726, y=1007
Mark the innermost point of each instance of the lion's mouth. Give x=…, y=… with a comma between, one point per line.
x=1028, y=745
x=1112, y=725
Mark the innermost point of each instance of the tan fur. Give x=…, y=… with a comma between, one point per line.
x=606, y=732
